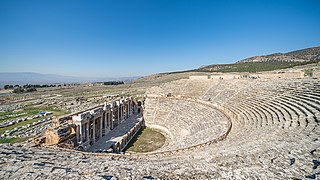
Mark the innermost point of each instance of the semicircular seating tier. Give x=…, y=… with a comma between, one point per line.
x=275, y=134
x=186, y=123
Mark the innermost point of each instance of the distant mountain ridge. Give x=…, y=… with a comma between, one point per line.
x=303, y=55
x=22, y=78
x=269, y=62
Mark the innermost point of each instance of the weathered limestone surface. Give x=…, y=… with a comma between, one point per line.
x=275, y=135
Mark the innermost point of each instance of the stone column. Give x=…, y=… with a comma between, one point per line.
x=118, y=118
x=101, y=118
x=105, y=122
x=111, y=119
x=78, y=133
x=121, y=112
x=94, y=130
x=88, y=132
x=127, y=110
x=130, y=108
x=81, y=133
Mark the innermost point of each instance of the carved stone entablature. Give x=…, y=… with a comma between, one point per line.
x=96, y=115
x=97, y=112
x=117, y=103
x=86, y=116
x=107, y=107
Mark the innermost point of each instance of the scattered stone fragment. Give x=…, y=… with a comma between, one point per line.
x=292, y=161
x=313, y=176
x=316, y=163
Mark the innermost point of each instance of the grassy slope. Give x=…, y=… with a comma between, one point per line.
x=146, y=140
x=254, y=66
x=248, y=67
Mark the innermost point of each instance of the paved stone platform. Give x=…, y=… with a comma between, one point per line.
x=115, y=135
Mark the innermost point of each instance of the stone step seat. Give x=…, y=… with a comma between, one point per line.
x=199, y=87
x=215, y=90
x=271, y=110
x=267, y=122
x=224, y=96
x=304, y=105
x=246, y=118
x=295, y=108
x=303, y=112
x=252, y=121
x=267, y=116
x=162, y=114
x=182, y=117
x=237, y=115
x=312, y=94
x=257, y=138
x=258, y=115
x=277, y=115
x=249, y=119
x=193, y=125
x=261, y=110
x=309, y=111
x=300, y=110
x=311, y=101
x=281, y=113
x=274, y=116
x=197, y=138
x=289, y=114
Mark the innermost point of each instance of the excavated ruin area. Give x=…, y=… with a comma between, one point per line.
x=275, y=135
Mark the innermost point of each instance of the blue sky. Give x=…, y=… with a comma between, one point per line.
x=115, y=38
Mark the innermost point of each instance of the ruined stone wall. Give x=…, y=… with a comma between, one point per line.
x=125, y=139
x=204, y=77
x=284, y=75
x=266, y=75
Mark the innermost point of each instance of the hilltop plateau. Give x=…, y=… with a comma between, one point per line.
x=303, y=55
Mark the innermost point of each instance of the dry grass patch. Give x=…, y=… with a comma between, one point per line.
x=146, y=140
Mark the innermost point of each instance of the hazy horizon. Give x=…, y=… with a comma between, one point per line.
x=138, y=38
x=79, y=76
x=22, y=78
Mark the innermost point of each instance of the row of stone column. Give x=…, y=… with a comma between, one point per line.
x=92, y=125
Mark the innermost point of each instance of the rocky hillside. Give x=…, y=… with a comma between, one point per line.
x=304, y=55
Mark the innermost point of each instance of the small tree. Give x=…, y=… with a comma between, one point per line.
x=31, y=89
x=6, y=86
x=18, y=90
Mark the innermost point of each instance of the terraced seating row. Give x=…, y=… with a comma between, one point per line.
x=283, y=112
x=199, y=87
x=261, y=106
x=189, y=123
